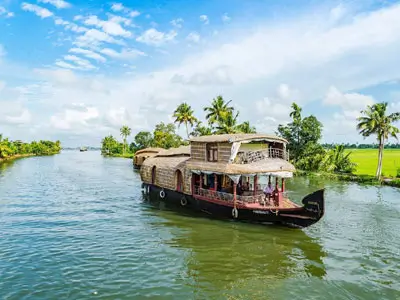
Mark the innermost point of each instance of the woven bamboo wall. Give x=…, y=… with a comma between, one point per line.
x=198, y=151
x=166, y=176
x=224, y=152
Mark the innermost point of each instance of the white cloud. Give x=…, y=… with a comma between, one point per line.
x=250, y=66
x=225, y=17
x=338, y=12
x=88, y=53
x=204, y=19
x=134, y=13
x=70, y=26
x=177, y=23
x=117, y=7
x=2, y=85
x=119, y=20
x=124, y=54
x=5, y=12
x=111, y=27
x=157, y=38
x=81, y=63
x=76, y=115
x=57, y=3
x=94, y=37
x=63, y=64
x=193, y=37
x=38, y=10
x=347, y=101
x=24, y=118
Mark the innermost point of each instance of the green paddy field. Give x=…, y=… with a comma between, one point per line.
x=367, y=161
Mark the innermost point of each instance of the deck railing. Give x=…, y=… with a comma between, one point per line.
x=222, y=196
x=254, y=156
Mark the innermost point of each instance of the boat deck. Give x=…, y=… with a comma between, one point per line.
x=285, y=203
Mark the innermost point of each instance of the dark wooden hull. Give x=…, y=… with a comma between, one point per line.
x=299, y=217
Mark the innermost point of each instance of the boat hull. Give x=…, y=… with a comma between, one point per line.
x=298, y=217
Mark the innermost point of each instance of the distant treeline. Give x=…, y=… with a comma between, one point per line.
x=361, y=146
x=9, y=148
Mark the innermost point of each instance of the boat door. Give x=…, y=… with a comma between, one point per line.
x=179, y=181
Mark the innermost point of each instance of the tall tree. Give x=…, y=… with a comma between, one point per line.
x=125, y=132
x=143, y=139
x=227, y=124
x=246, y=128
x=375, y=121
x=300, y=132
x=218, y=110
x=164, y=136
x=184, y=115
x=201, y=130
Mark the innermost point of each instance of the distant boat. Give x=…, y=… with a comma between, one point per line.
x=83, y=149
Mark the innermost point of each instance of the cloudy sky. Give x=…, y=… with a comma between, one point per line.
x=78, y=70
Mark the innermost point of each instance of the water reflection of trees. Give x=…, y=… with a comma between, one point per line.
x=238, y=257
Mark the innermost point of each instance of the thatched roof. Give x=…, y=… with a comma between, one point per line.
x=180, y=151
x=263, y=166
x=230, y=138
x=149, y=150
x=166, y=163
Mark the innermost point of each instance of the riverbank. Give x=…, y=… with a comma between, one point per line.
x=17, y=156
x=363, y=179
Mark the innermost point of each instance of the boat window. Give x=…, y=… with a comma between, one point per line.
x=212, y=152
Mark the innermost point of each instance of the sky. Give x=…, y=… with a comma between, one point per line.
x=78, y=70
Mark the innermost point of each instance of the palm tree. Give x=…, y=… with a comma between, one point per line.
x=246, y=128
x=218, y=110
x=184, y=114
x=374, y=121
x=228, y=124
x=125, y=132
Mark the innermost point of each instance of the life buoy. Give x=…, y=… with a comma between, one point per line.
x=235, y=212
x=183, y=201
x=148, y=189
x=162, y=194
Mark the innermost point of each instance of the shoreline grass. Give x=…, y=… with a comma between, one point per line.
x=367, y=161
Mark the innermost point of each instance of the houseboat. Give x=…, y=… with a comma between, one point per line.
x=142, y=155
x=236, y=176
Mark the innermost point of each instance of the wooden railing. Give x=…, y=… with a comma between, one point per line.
x=254, y=156
x=215, y=195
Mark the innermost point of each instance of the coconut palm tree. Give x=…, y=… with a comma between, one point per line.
x=375, y=121
x=184, y=115
x=125, y=132
x=246, y=128
x=218, y=110
x=228, y=124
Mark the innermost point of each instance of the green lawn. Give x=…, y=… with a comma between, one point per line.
x=367, y=161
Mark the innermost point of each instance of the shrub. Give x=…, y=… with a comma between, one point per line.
x=398, y=173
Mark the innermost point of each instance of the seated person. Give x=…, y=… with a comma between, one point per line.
x=268, y=190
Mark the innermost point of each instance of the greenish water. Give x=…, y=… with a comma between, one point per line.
x=75, y=226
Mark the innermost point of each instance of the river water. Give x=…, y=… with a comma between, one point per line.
x=75, y=226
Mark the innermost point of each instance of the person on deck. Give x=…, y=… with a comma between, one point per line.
x=268, y=190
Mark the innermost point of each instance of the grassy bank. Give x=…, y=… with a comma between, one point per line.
x=364, y=179
x=367, y=161
x=16, y=156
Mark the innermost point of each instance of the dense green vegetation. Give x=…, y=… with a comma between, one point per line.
x=303, y=134
x=10, y=149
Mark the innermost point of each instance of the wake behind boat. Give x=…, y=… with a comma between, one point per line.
x=220, y=175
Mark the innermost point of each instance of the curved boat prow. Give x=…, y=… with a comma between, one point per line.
x=314, y=204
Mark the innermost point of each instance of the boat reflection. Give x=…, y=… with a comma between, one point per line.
x=222, y=253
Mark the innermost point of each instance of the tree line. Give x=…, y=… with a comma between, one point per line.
x=9, y=148
x=220, y=115
x=303, y=134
